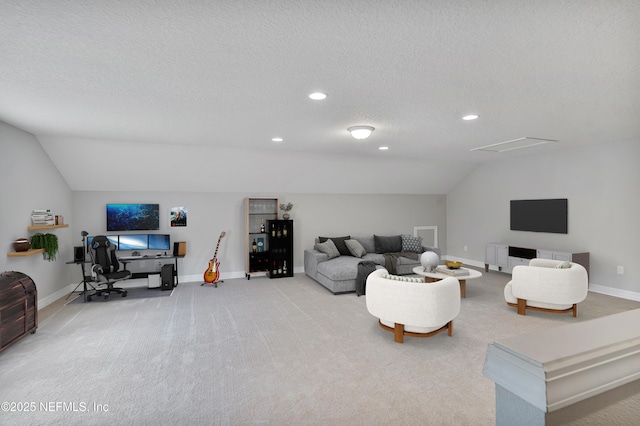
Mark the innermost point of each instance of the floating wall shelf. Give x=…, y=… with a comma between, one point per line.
x=44, y=227
x=29, y=252
x=32, y=252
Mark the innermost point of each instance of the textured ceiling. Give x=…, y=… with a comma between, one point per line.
x=201, y=87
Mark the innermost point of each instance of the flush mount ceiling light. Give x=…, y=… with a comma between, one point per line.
x=318, y=96
x=360, y=132
x=470, y=117
x=277, y=139
x=520, y=143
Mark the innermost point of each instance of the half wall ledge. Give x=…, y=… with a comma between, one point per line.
x=551, y=370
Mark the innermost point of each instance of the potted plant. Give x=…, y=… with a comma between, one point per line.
x=48, y=242
x=286, y=208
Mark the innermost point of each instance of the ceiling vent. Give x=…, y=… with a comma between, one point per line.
x=526, y=142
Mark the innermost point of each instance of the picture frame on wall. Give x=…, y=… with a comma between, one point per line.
x=178, y=216
x=133, y=217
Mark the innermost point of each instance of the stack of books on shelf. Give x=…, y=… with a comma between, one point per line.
x=453, y=272
x=42, y=217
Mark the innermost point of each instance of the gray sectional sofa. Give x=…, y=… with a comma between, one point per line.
x=338, y=274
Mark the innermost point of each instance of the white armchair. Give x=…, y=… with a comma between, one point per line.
x=545, y=286
x=411, y=307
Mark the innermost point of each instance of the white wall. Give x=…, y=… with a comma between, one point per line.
x=602, y=184
x=31, y=181
x=314, y=214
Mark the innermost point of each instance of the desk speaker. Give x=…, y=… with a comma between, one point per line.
x=78, y=254
x=180, y=248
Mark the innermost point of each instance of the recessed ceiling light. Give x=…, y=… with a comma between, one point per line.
x=277, y=139
x=470, y=117
x=318, y=96
x=383, y=148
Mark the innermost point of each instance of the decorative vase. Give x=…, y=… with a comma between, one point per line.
x=21, y=244
x=429, y=260
x=285, y=216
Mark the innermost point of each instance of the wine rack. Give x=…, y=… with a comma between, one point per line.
x=280, y=248
x=258, y=212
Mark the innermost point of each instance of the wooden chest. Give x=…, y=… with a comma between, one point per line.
x=18, y=307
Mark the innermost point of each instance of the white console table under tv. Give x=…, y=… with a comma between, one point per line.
x=506, y=257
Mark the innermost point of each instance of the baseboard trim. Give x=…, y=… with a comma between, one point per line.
x=64, y=292
x=230, y=275
x=615, y=292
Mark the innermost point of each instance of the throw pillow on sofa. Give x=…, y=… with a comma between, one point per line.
x=391, y=244
x=339, y=242
x=411, y=244
x=355, y=248
x=403, y=279
x=329, y=248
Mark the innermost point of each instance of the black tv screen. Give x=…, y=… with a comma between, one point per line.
x=133, y=217
x=540, y=215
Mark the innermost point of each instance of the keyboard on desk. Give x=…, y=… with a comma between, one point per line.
x=145, y=256
x=129, y=257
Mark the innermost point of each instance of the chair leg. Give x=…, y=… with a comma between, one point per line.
x=522, y=307
x=398, y=333
x=450, y=328
x=575, y=310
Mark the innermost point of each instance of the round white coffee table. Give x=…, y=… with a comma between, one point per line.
x=430, y=277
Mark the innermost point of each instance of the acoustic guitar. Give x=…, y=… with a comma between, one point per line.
x=212, y=274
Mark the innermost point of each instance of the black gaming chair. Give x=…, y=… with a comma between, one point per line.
x=105, y=267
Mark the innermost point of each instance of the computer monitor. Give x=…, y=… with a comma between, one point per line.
x=159, y=242
x=134, y=242
x=113, y=239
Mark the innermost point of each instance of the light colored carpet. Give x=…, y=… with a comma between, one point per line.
x=132, y=293
x=260, y=351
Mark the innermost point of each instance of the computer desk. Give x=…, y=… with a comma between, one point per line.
x=128, y=259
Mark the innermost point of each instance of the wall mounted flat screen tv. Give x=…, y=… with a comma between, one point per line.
x=133, y=217
x=540, y=215
x=159, y=241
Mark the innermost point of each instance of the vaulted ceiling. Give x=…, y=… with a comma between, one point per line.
x=187, y=95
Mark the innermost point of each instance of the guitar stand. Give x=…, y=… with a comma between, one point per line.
x=215, y=283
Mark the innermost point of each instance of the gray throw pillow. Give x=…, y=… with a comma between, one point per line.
x=392, y=244
x=564, y=265
x=411, y=244
x=339, y=242
x=355, y=248
x=328, y=248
